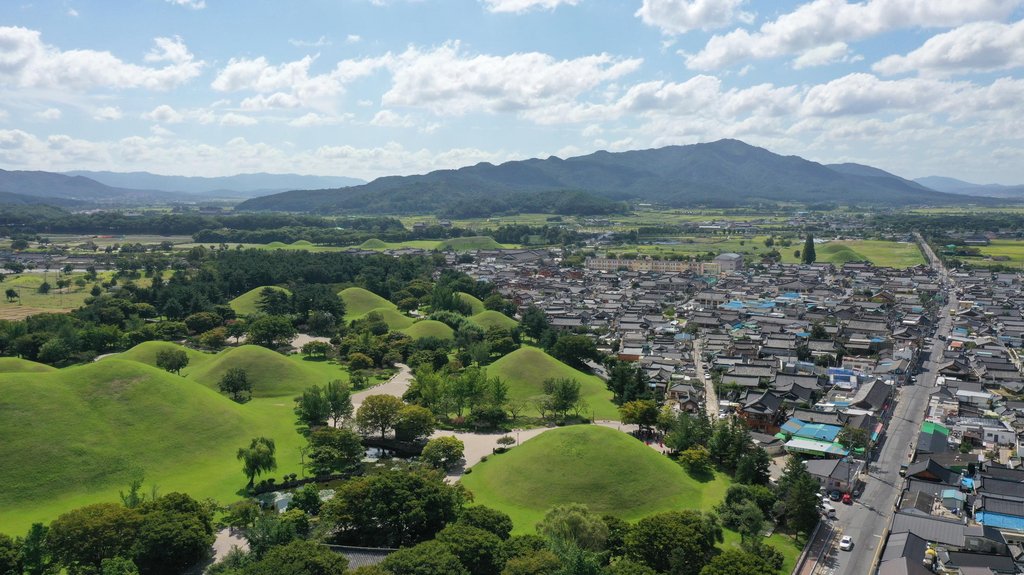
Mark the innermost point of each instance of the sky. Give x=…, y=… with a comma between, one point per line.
x=368, y=88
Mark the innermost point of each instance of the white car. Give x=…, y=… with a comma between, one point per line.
x=846, y=543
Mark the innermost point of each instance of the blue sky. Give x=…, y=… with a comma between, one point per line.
x=367, y=88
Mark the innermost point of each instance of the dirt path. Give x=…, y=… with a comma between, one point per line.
x=395, y=386
x=226, y=539
x=304, y=338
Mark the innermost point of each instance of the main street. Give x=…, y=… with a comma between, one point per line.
x=869, y=516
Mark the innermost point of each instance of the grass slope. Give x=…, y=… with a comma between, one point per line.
x=359, y=302
x=245, y=304
x=474, y=302
x=603, y=468
x=373, y=244
x=18, y=365
x=147, y=351
x=75, y=433
x=490, y=318
x=429, y=328
x=471, y=243
x=272, y=374
x=525, y=370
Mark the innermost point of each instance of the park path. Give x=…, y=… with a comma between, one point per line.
x=395, y=386
x=228, y=538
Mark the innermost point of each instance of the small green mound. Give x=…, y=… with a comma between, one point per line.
x=302, y=244
x=271, y=374
x=470, y=243
x=18, y=365
x=71, y=436
x=838, y=254
x=373, y=244
x=147, y=351
x=245, y=304
x=490, y=318
x=277, y=245
x=604, y=469
x=429, y=328
x=359, y=302
x=525, y=370
x=473, y=301
x=394, y=318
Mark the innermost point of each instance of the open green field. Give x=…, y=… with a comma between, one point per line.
x=71, y=437
x=245, y=304
x=429, y=328
x=605, y=469
x=74, y=240
x=525, y=369
x=468, y=243
x=878, y=252
x=1013, y=250
x=475, y=304
x=490, y=318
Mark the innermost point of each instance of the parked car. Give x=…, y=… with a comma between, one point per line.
x=846, y=543
x=835, y=495
x=847, y=499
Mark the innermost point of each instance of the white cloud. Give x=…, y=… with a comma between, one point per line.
x=353, y=39
x=519, y=6
x=319, y=42
x=681, y=16
x=389, y=119
x=825, y=55
x=72, y=12
x=277, y=100
x=26, y=62
x=823, y=22
x=158, y=130
x=449, y=82
x=233, y=119
x=856, y=94
x=164, y=114
x=107, y=113
x=975, y=47
x=49, y=114
x=193, y=4
x=3, y=114
x=313, y=119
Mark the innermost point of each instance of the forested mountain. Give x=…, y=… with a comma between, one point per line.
x=718, y=174
x=238, y=186
x=54, y=188
x=955, y=186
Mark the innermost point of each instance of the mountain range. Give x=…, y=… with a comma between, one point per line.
x=717, y=174
x=238, y=186
x=955, y=186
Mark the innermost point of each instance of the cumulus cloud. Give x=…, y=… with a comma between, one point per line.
x=193, y=4
x=825, y=55
x=164, y=114
x=824, y=22
x=389, y=119
x=49, y=114
x=353, y=39
x=319, y=42
x=233, y=119
x=975, y=47
x=107, y=113
x=313, y=119
x=681, y=16
x=27, y=62
x=518, y=6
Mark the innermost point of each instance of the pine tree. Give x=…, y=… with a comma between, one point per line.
x=808, y=255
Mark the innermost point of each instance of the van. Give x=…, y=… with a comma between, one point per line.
x=829, y=511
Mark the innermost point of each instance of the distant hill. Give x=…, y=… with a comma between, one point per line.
x=57, y=189
x=12, y=199
x=238, y=186
x=955, y=186
x=718, y=174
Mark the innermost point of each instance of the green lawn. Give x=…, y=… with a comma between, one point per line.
x=605, y=469
x=490, y=318
x=475, y=304
x=1012, y=249
x=18, y=365
x=245, y=304
x=880, y=253
x=71, y=437
x=525, y=370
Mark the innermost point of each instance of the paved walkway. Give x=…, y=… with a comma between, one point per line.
x=226, y=539
x=395, y=386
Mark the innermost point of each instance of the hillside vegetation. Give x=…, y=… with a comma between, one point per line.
x=525, y=370
x=359, y=302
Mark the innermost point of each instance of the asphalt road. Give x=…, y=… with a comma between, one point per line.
x=870, y=514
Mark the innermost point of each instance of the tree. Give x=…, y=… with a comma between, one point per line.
x=697, y=461
x=357, y=361
x=754, y=467
x=488, y=519
x=575, y=350
x=541, y=562
x=798, y=496
x=10, y=551
x=853, y=439
x=808, y=256
x=680, y=541
x=299, y=558
x=643, y=413
x=271, y=331
x=573, y=525
x=316, y=348
x=44, y=288
x=235, y=382
x=11, y=294
x=273, y=301
x=563, y=393
x=443, y=452
x=81, y=539
x=35, y=555
x=173, y=360
x=392, y=508
x=628, y=567
x=313, y=407
x=176, y=532
x=627, y=382
x=339, y=400
x=414, y=423
x=258, y=458
x=214, y=339
x=736, y=562
x=334, y=450
x=244, y=513
x=378, y=413
x=267, y=532
x=479, y=551
x=430, y=558
x=535, y=322
x=203, y=321
x=118, y=566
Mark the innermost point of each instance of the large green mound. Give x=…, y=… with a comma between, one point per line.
x=147, y=351
x=359, y=302
x=474, y=302
x=373, y=244
x=607, y=470
x=525, y=370
x=272, y=374
x=490, y=318
x=245, y=304
x=71, y=436
x=838, y=253
x=429, y=328
x=470, y=243
x=18, y=365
